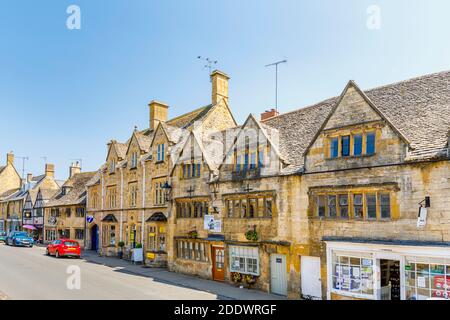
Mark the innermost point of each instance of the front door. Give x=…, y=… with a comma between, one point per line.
x=94, y=238
x=390, y=279
x=218, y=263
x=311, y=281
x=278, y=278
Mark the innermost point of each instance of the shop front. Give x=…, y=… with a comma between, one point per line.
x=388, y=270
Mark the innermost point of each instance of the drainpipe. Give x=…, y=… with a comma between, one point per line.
x=102, y=186
x=143, y=204
x=121, y=205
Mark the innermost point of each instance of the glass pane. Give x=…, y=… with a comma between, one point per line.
x=345, y=143
x=332, y=206
x=334, y=148
x=370, y=143
x=357, y=145
x=371, y=204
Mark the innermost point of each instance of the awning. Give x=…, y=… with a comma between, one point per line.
x=157, y=216
x=109, y=218
x=30, y=227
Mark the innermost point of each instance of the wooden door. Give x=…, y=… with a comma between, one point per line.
x=218, y=263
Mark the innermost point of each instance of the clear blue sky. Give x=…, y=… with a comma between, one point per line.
x=65, y=93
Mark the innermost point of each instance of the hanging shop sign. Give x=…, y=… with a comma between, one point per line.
x=211, y=224
x=422, y=219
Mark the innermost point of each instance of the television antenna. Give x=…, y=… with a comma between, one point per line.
x=276, y=79
x=208, y=63
x=23, y=165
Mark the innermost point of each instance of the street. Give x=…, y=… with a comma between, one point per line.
x=27, y=273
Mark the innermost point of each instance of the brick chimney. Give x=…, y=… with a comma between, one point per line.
x=268, y=114
x=74, y=169
x=219, y=82
x=158, y=113
x=10, y=158
x=50, y=170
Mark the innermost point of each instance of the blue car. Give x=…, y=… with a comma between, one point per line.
x=19, y=238
x=2, y=236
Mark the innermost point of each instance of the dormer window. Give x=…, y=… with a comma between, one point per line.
x=352, y=145
x=112, y=166
x=134, y=160
x=65, y=190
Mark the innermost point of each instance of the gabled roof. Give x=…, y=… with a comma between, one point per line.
x=76, y=187
x=2, y=168
x=352, y=83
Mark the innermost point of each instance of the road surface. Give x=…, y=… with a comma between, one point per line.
x=27, y=273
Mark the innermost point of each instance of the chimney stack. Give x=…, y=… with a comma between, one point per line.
x=50, y=170
x=158, y=113
x=74, y=169
x=268, y=114
x=219, y=82
x=10, y=158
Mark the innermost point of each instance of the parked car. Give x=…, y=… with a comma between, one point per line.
x=64, y=248
x=2, y=236
x=19, y=238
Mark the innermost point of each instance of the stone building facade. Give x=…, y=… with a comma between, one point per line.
x=65, y=210
x=318, y=203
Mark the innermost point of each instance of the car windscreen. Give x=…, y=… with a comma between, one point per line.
x=21, y=234
x=71, y=243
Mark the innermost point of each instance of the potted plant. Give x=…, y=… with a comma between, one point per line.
x=121, y=244
x=193, y=234
x=252, y=235
x=250, y=280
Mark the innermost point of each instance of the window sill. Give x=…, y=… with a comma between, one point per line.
x=192, y=260
x=351, y=157
x=249, y=218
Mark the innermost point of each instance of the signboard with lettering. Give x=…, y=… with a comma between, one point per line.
x=211, y=224
x=422, y=219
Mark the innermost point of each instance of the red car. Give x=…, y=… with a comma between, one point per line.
x=64, y=248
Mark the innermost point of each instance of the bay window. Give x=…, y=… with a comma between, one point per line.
x=244, y=260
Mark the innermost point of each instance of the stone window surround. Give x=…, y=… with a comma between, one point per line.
x=351, y=191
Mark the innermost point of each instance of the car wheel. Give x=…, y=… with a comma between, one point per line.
x=57, y=254
x=46, y=252
x=31, y=246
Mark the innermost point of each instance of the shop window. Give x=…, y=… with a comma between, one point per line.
x=345, y=146
x=385, y=206
x=244, y=260
x=427, y=279
x=79, y=234
x=357, y=145
x=190, y=250
x=371, y=206
x=352, y=274
x=332, y=206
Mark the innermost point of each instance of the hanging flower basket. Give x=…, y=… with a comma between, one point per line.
x=193, y=234
x=252, y=235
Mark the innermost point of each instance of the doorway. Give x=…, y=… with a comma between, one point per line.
x=278, y=278
x=94, y=237
x=390, y=279
x=310, y=278
x=218, y=263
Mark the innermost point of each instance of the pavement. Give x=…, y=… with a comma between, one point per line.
x=27, y=273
